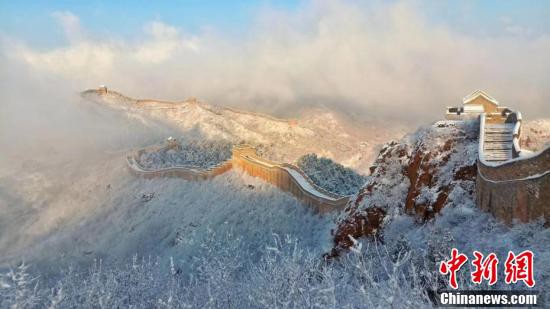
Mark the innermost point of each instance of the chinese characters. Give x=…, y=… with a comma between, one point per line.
x=516, y=268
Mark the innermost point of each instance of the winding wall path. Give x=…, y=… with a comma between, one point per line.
x=286, y=177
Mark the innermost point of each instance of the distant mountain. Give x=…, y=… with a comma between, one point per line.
x=321, y=131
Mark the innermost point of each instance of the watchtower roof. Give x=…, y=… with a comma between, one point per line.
x=478, y=93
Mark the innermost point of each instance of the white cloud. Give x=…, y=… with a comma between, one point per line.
x=512, y=27
x=160, y=30
x=84, y=61
x=164, y=43
x=385, y=59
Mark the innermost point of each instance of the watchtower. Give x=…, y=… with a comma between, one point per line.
x=102, y=89
x=475, y=104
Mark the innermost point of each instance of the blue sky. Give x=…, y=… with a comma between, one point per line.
x=32, y=21
x=490, y=16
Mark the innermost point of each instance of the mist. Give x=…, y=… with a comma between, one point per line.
x=380, y=62
x=54, y=145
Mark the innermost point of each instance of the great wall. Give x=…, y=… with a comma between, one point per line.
x=116, y=98
x=511, y=183
x=286, y=177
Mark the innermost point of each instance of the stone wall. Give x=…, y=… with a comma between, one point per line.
x=246, y=159
x=518, y=190
x=186, y=173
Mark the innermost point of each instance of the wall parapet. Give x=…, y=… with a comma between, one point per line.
x=517, y=189
x=188, y=172
x=311, y=183
x=522, y=200
x=533, y=166
x=289, y=178
x=192, y=173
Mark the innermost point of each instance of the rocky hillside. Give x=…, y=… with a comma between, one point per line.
x=326, y=133
x=419, y=175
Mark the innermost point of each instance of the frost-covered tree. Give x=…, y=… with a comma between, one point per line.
x=330, y=175
x=18, y=288
x=197, y=153
x=227, y=273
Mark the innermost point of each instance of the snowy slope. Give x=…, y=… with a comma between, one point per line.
x=71, y=194
x=418, y=175
x=108, y=213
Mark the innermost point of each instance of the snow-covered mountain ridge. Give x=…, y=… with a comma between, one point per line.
x=319, y=131
x=421, y=174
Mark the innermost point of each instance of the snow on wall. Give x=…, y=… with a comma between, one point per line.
x=305, y=184
x=436, y=165
x=517, y=189
x=511, y=122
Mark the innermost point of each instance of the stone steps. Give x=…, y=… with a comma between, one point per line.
x=497, y=130
x=498, y=142
x=497, y=146
x=498, y=139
